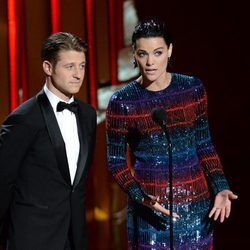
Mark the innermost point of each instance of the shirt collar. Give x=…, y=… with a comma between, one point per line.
x=54, y=99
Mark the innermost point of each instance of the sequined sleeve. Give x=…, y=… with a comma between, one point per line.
x=116, y=135
x=207, y=154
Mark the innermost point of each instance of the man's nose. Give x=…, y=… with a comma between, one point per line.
x=76, y=73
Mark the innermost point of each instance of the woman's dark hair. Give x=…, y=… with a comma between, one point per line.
x=151, y=28
x=58, y=42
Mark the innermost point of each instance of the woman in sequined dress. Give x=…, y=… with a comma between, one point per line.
x=200, y=192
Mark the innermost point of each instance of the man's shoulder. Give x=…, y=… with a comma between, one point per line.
x=26, y=106
x=86, y=106
x=25, y=111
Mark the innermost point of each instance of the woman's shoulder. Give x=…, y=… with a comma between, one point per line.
x=185, y=81
x=125, y=93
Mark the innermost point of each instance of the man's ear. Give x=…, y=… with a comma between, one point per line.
x=47, y=68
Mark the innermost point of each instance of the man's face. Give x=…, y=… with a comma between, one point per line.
x=66, y=76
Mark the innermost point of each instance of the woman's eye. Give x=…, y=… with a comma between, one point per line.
x=141, y=54
x=158, y=53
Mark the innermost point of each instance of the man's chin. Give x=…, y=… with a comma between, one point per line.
x=74, y=91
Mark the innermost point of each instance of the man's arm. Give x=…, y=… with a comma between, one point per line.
x=15, y=139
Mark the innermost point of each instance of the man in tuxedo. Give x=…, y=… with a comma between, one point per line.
x=46, y=147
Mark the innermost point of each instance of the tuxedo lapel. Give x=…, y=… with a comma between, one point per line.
x=82, y=132
x=55, y=135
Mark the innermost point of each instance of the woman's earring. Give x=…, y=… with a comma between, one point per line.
x=135, y=64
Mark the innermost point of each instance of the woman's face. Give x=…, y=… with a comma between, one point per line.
x=151, y=55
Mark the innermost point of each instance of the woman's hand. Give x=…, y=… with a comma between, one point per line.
x=222, y=205
x=153, y=203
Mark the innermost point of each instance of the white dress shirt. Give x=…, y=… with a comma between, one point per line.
x=68, y=127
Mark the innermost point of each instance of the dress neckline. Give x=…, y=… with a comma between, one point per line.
x=158, y=91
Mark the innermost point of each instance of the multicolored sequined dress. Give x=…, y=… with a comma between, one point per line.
x=197, y=171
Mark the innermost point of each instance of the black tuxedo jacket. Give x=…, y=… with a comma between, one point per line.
x=35, y=184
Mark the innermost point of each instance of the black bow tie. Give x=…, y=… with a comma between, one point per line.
x=73, y=106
